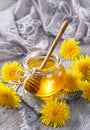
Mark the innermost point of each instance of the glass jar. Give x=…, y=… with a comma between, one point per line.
x=45, y=82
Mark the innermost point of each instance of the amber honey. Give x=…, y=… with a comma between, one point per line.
x=52, y=76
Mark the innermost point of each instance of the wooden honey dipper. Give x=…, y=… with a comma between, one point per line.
x=32, y=83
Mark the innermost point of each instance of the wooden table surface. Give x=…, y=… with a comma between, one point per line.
x=25, y=119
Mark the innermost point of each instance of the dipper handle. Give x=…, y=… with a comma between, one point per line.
x=59, y=35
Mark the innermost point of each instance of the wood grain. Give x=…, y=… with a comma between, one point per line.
x=24, y=119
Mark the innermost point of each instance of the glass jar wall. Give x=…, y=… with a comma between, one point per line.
x=44, y=82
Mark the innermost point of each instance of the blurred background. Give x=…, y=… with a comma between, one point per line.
x=4, y=4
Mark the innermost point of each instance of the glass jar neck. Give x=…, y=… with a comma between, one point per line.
x=35, y=60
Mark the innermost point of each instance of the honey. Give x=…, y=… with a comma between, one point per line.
x=38, y=62
x=51, y=79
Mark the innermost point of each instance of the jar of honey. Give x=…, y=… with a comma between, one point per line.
x=47, y=81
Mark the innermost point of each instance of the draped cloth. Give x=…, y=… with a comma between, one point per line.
x=28, y=25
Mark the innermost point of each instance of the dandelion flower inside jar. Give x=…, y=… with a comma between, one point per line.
x=47, y=81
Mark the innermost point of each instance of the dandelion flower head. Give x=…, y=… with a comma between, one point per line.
x=86, y=90
x=8, y=71
x=82, y=65
x=8, y=97
x=72, y=82
x=69, y=49
x=55, y=113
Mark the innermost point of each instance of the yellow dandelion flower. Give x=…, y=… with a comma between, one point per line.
x=55, y=113
x=86, y=90
x=82, y=65
x=8, y=71
x=8, y=97
x=69, y=49
x=72, y=82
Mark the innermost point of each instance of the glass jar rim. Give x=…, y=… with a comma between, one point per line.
x=53, y=57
